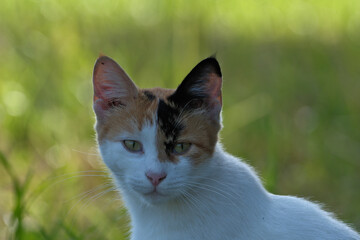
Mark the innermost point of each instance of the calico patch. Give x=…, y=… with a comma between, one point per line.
x=177, y=125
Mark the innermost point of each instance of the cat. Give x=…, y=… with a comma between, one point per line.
x=177, y=182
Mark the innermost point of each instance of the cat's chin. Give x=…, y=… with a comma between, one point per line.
x=155, y=198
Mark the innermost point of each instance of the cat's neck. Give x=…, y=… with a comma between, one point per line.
x=228, y=181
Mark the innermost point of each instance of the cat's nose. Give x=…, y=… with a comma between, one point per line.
x=155, y=178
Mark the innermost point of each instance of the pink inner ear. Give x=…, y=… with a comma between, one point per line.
x=214, y=88
x=215, y=98
x=111, y=84
x=103, y=90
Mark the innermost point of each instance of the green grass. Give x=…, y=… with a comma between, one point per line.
x=291, y=99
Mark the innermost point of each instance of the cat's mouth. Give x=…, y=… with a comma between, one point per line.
x=154, y=192
x=154, y=196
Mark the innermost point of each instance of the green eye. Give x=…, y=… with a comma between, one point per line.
x=181, y=148
x=132, y=146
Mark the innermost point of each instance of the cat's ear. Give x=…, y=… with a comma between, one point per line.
x=112, y=86
x=201, y=88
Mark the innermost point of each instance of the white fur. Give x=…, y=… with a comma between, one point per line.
x=220, y=199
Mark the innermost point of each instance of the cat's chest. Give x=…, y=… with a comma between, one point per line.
x=192, y=230
x=188, y=225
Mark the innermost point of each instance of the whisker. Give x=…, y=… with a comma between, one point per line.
x=97, y=196
x=77, y=176
x=85, y=194
x=78, y=172
x=86, y=203
x=46, y=184
x=218, y=182
x=213, y=189
x=86, y=153
x=194, y=203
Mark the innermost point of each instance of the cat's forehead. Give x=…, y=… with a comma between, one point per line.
x=140, y=112
x=161, y=93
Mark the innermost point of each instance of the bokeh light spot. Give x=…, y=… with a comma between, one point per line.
x=15, y=102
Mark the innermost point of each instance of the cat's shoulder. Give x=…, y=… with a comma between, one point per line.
x=303, y=219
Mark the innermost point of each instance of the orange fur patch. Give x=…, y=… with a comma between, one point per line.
x=130, y=118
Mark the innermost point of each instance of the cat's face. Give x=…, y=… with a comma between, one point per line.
x=157, y=142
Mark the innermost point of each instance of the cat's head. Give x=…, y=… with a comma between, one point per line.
x=157, y=142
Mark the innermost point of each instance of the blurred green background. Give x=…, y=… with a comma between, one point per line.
x=291, y=99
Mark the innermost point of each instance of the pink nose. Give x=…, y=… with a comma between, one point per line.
x=155, y=178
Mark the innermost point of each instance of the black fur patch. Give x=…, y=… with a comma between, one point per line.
x=168, y=118
x=149, y=95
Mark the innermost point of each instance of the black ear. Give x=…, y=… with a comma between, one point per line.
x=201, y=88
